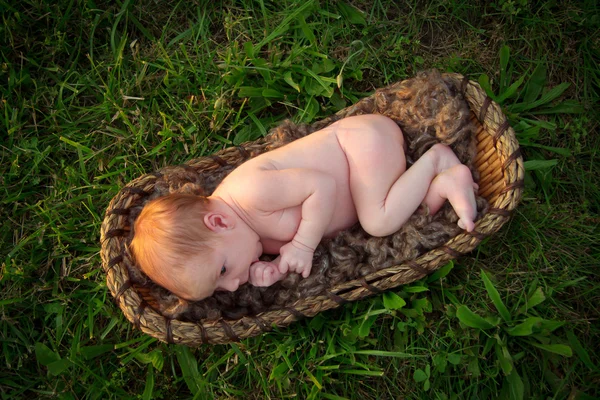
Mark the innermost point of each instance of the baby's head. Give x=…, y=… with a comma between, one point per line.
x=193, y=245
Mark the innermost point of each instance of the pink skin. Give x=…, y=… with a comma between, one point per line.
x=316, y=186
x=264, y=273
x=453, y=181
x=237, y=248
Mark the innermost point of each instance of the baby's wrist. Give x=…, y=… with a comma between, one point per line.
x=301, y=246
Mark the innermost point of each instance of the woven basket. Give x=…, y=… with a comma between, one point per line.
x=501, y=169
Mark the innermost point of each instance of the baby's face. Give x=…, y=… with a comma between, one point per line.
x=232, y=262
x=227, y=267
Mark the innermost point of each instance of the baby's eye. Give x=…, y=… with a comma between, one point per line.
x=223, y=270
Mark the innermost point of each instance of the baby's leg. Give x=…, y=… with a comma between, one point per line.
x=385, y=200
x=455, y=184
x=374, y=149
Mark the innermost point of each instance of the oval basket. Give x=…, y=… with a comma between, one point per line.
x=501, y=169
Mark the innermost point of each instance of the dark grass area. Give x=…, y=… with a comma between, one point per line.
x=94, y=94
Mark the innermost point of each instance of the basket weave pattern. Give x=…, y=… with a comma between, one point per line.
x=501, y=169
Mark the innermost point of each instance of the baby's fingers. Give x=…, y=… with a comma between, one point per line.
x=283, y=266
x=256, y=274
x=261, y=273
x=271, y=275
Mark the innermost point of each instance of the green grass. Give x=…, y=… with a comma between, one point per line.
x=95, y=93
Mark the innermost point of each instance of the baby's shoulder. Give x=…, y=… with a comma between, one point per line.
x=247, y=177
x=252, y=170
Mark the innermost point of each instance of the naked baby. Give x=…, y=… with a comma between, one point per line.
x=285, y=201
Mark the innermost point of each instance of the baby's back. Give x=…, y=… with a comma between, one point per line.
x=324, y=151
x=319, y=151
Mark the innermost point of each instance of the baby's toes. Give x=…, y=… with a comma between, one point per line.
x=466, y=224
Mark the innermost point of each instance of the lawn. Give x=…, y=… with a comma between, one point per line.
x=96, y=93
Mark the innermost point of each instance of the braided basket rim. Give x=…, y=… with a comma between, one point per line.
x=503, y=198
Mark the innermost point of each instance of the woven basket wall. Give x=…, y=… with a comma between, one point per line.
x=498, y=161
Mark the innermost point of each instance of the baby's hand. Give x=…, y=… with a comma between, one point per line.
x=294, y=259
x=263, y=273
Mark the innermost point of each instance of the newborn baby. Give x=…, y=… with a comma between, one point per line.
x=286, y=200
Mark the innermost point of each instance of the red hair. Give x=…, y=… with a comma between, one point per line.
x=170, y=231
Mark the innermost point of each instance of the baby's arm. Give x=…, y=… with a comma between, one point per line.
x=277, y=190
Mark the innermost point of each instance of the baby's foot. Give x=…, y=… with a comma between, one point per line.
x=444, y=158
x=456, y=184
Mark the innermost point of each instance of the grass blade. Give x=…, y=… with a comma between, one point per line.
x=566, y=107
x=514, y=386
x=470, y=319
x=441, y=272
x=558, y=150
x=360, y=372
x=504, y=357
x=284, y=25
x=392, y=301
x=495, y=297
x=535, y=84
x=78, y=146
x=45, y=355
x=484, y=82
x=581, y=351
x=525, y=328
x=149, y=388
x=353, y=15
x=189, y=368
x=536, y=298
x=561, y=349
x=287, y=77
x=383, y=353
x=510, y=91
x=552, y=94
x=504, y=57
x=90, y=352
x=532, y=165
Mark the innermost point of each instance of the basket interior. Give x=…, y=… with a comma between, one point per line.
x=488, y=165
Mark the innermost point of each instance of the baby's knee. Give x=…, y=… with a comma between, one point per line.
x=376, y=227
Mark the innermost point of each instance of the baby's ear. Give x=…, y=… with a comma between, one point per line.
x=217, y=222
